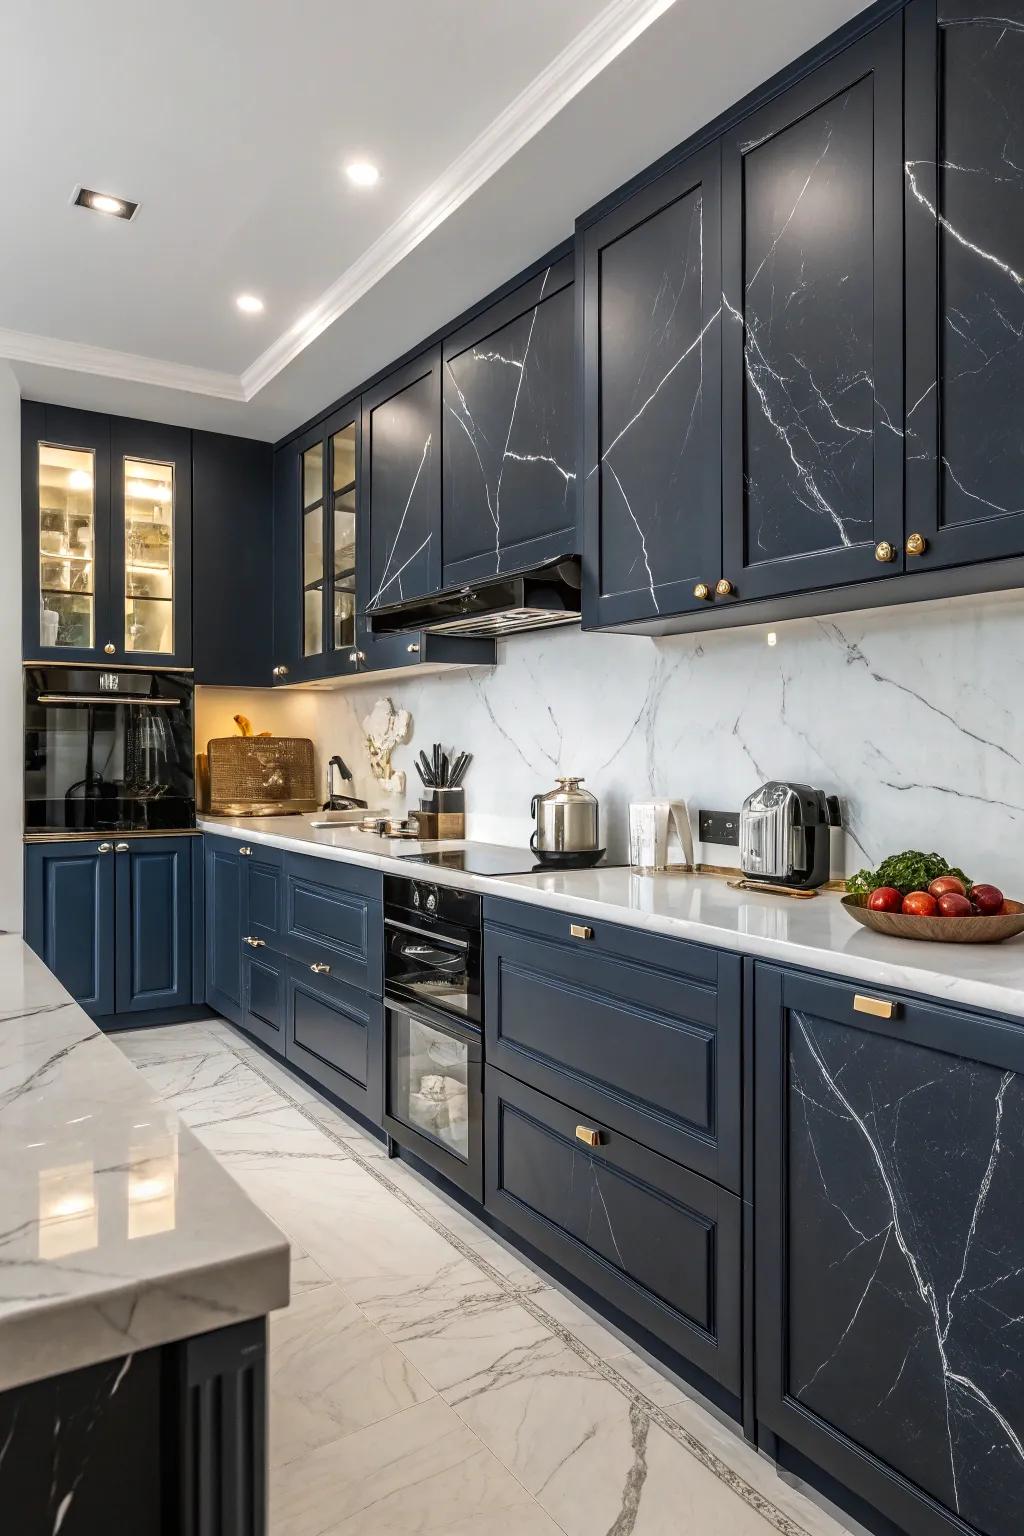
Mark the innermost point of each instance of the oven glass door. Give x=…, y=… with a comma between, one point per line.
x=432, y=965
x=433, y=1077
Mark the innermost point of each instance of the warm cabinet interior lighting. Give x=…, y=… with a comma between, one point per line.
x=105, y=202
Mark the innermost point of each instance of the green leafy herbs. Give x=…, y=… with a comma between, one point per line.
x=910, y=871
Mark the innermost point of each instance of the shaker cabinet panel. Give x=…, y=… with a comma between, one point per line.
x=233, y=568
x=225, y=895
x=154, y=923
x=69, y=917
x=400, y=484
x=965, y=290
x=812, y=329
x=510, y=433
x=652, y=399
x=890, y=1252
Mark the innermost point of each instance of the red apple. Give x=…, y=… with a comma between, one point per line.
x=919, y=904
x=885, y=899
x=945, y=885
x=952, y=904
x=988, y=899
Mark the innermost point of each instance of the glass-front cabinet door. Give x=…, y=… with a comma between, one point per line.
x=106, y=538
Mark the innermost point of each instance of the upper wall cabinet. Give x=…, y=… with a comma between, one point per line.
x=400, y=488
x=510, y=433
x=315, y=489
x=652, y=399
x=812, y=349
x=965, y=281
x=107, y=530
x=232, y=587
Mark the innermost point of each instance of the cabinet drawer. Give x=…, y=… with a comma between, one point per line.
x=641, y=1032
x=264, y=997
x=332, y=916
x=334, y=1033
x=658, y=1242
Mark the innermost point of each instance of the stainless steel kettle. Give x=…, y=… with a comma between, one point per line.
x=568, y=821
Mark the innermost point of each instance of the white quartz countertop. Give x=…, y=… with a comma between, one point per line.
x=816, y=934
x=118, y=1229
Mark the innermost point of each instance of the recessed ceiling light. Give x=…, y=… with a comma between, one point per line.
x=249, y=304
x=362, y=174
x=105, y=202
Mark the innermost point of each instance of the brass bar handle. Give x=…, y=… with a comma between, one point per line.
x=254, y=943
x=580, y=931
x=877, y=1007
x=105, y=848
x=588, y=1136
x=121, y=847
x=320, y=969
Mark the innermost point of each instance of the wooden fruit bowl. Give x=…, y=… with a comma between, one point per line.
x=940, y=930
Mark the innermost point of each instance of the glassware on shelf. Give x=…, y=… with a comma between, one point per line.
x=66, y=479
x=343, y=511
x=313, y=568
x=148, y=556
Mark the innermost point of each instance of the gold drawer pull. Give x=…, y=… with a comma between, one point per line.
x=254, y=943
x=590, y=1137
x=320, y=969
x=580, y=931
x=878, y=1007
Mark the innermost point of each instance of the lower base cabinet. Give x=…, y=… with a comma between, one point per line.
x=113, y=920
x=890, y=1250
x=660, y=1243
x=335, y=1034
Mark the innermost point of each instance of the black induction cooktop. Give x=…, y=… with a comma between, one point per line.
x=487, y=859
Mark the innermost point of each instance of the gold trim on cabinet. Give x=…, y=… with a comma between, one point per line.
x=103, y=666
x=877, y=1007
x=91, y=837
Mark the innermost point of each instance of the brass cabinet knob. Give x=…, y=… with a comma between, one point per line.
x=353, y=658
x=724, y=588
x=245, y=852
x=104, y=848
x=254, y=943
x=916, y=544
x=413, y=648
x=588, y=1136
x=121, y=847
x=281, y=671
x=702, y=591
x=320, y=969
x=884, y=552
x=360, y=655
x=110, y=648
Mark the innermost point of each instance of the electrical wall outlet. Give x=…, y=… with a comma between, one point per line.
x=719, y=827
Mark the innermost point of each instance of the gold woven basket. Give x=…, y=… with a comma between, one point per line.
x=261, y=775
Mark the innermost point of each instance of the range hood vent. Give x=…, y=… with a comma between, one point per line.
x=507, y=605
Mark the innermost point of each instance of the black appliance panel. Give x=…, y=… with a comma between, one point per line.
x=108, y=750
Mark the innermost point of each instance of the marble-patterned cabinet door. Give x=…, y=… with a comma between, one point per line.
x=812, y=340
x=400, y=486
x=652, y=543
x=509, y=428
x=890, y=1250
x=964, y=184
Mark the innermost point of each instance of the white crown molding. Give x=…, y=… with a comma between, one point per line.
x=79, y=357
x=590, y=52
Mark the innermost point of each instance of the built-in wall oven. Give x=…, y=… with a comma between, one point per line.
x=433, y=1053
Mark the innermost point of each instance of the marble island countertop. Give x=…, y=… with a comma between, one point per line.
x=816, y=934
x=118, y=1229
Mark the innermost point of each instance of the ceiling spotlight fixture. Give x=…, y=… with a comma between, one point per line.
x=362, y=174
x=249, y=304
x=105, y=202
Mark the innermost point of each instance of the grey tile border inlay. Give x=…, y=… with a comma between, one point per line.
x=638, y=1401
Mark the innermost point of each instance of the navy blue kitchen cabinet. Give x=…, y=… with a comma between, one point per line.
x=246, y=964
x=335, y=1035
x=232, y=587
x=509, y=432
x=400, y=485
x=113, y=919
x=69, y=917
x=890, y=1249
x=965, y=291
x=812, y=355
x=106, y=538
x=651, y=355
x=224, y=898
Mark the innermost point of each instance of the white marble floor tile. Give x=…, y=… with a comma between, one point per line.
x=306, y=1274
x=332, y=1372
x=597, y=1336
x=420, y=1471
x=208, y=1085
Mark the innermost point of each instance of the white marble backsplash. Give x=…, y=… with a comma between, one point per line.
x=913, y=715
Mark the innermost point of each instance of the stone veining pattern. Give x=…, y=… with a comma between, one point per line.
x=404, y=495
x=509, y=433
x=911, y=1338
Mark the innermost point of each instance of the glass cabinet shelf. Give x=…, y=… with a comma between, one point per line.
x=148, y=556
x=67, y=535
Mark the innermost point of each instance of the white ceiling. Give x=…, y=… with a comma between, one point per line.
x=493, y=125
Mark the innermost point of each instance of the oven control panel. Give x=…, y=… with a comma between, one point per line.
x=425, y=898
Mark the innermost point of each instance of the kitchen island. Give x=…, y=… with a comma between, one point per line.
x=134, y=1285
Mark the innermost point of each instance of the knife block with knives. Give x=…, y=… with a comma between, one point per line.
x=442, y=812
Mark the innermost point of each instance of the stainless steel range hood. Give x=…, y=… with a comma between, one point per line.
x=505, y=605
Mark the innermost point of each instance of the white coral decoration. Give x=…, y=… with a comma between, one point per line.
x=386, y=728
